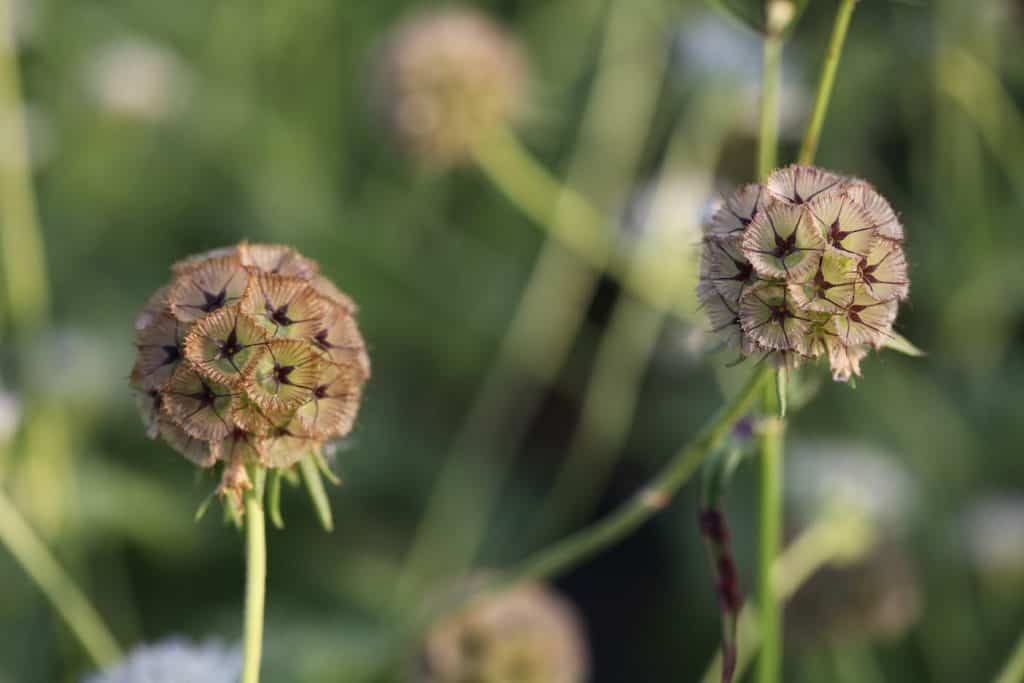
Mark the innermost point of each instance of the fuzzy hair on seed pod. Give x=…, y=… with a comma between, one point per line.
x=249, y=357
x=807, y=265
x=527, y=634
x=446, y=77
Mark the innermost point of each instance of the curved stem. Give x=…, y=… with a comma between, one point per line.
x=255, y=581
x=651, y=499
x=825, y=85
x=59, y=588
x=1013, y=672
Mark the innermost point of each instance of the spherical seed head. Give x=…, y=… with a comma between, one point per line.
x=445, y=78
x=248, y=358
x=528, y=634
x=808, y=265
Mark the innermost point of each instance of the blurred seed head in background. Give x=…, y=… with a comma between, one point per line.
x=446, y=77
x=993, y=533
x=528, y=634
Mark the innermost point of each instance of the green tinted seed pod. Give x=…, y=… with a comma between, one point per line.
x=248, y=358
x=808, y=265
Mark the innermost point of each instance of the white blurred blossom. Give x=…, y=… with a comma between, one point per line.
x=993, y=530
x=10, y=415
x=823, y=473
x=175, y=661
x=138, y=79
x=711, y=49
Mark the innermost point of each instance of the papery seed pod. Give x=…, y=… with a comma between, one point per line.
x=810, y=264
x=444, y=78
x=249, y=358
x=527, y=634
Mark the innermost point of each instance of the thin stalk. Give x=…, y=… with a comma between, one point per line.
x=825, y=84
x=1013, y=672
x=28, y=293
x=770, y=513
x=255, y=581
x=770, y=538
x=59, y=588
x=838, y=536
x=652, y=498
x=768, y=141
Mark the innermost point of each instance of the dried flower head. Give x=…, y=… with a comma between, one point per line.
x=446, y=77
x=524, y=635
x=173, y=661
x=249, y=357
x=808, y=265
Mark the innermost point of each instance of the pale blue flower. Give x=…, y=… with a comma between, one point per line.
x=175, y=660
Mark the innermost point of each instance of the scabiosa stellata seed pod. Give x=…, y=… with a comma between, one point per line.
x=808, y=265
x=527, y=634
x=446, y=77
x=248, y=358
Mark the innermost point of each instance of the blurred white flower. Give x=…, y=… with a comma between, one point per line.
x=10, y=415
x=175, y=660
x=824, y=473
x=711, y=49
x=137, y=79
x=993, y=530
x=669, y=209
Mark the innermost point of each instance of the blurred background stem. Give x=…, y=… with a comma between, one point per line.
x=553, y=307
x=1013, y=671
x=809, y=147
x=59, y=588
x=839, y=536
x=255, y=579
x=28, y=294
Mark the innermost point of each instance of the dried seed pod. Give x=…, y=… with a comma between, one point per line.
x=248, y=358
x=808, y=265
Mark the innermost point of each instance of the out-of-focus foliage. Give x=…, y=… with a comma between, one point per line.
x=164, y=129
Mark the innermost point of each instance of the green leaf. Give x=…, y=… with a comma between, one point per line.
x=897, y=342
x=329, y=475
x=315, y=485
x=204, y=506
x=274, y=499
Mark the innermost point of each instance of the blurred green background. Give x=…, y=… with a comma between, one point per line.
x=163, y=129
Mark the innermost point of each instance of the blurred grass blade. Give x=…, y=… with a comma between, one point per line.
x=897, y=342
x=274, y=499
x=58, y=587
x=315, y=485
x=738, y=12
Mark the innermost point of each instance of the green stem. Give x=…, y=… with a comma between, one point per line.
x=768, y=141
x=825, y=85
x=770, y=538
x=651, y=499
x=255, y=581
x=28, y=292
x=59, y=588
x=1013, y=672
